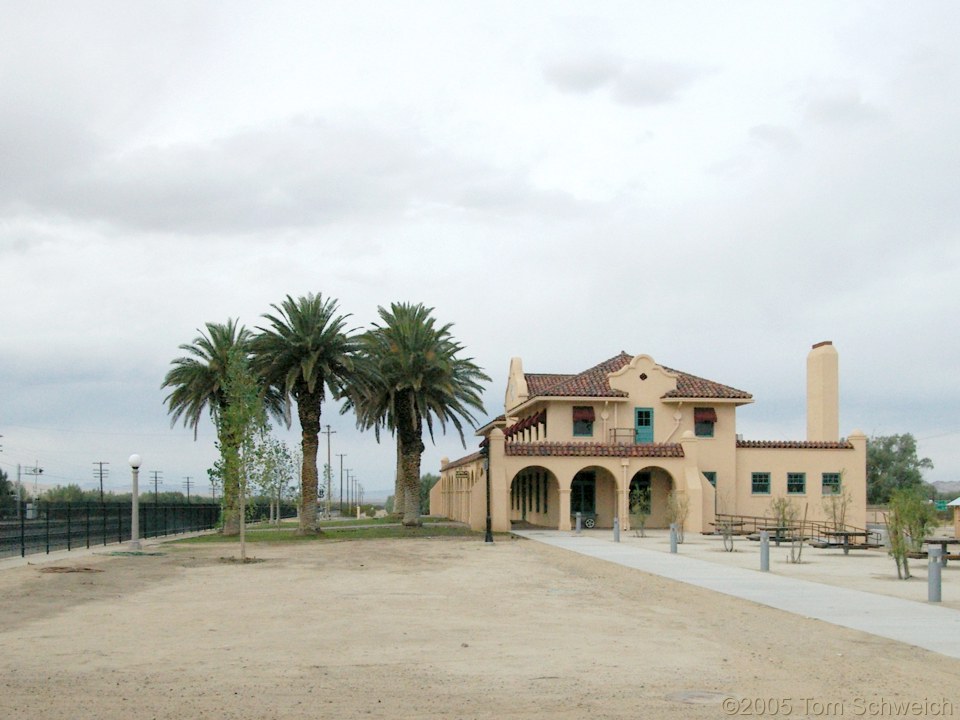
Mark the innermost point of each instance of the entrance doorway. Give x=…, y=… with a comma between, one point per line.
x=583, y=497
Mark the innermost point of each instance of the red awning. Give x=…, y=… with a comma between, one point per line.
x=583, y=414
x=704, y=415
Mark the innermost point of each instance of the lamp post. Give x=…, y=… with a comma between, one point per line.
x=485, y=452
x=135, y=462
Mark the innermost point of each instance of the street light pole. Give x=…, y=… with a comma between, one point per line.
x=485, y=452
x=135, y=462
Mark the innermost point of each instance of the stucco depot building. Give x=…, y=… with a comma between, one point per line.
x=569, y=443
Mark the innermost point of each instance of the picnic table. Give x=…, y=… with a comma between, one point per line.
x=843, y=538
x=777, y=533
x=942, y=542
x=730, y=526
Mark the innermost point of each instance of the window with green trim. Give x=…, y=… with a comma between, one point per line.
x=796, y=483
x=711, y=477
x=830, y=483
x=760, y=483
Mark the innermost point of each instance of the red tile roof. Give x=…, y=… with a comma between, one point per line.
x=795, y=445
x=538, y=382
x=595, y=383
x=590, y=449
x=589, y=383
x=691, y=386
x=473, y=457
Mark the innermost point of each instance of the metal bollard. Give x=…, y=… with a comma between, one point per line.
x=616, y=529
x=933, y=573
x=764, y=551
x=578, y=523
x=673, y=538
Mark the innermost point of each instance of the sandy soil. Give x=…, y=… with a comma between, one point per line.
x=427, y=629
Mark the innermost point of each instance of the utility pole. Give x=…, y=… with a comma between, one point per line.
x=156, y=481
x=99, y=473
x=187, y=482
x=328, y=432
x=36, y=471
x=213, y=489
x=340, y=497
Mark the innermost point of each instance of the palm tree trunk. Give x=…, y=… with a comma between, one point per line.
x=411, y=485
x=398, y=489
x=231, y=484
x=308, y=407
x=410, y=439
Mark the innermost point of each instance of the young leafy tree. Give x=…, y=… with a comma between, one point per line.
x=410, y=373
x=304, y=353
x=243, y=426
x=909, y=519
x=639, y=509
x=198, y=386
x=892, y=463
x=273, y=472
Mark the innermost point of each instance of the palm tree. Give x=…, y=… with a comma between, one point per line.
x=304, y=353
x=409, y=373
x=198, y=383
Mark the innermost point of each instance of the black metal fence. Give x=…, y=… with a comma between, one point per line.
x=44, y=527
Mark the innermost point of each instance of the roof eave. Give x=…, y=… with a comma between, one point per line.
x=527, y=404
x=710, y=400
x=497, y=422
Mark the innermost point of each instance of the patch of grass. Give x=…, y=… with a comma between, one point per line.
x=390, y=519
x=398, y=531
x=289, y=534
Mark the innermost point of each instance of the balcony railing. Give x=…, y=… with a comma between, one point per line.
x=622, y=436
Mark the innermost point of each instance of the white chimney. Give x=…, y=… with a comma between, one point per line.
x=823, y=393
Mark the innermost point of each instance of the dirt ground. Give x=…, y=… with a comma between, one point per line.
x=444, y=628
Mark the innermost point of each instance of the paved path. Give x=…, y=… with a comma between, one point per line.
x=928, y=626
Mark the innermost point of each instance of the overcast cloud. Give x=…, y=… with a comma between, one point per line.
x=719, y=185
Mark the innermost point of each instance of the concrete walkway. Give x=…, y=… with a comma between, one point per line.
x=924, y=625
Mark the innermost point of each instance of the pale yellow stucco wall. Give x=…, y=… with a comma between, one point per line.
x=673, y=423
x=851, y=464
x=823, y=393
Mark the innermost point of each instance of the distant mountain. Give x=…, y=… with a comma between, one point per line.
x=951, y=488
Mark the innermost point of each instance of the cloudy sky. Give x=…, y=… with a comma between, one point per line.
x=719, y=185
